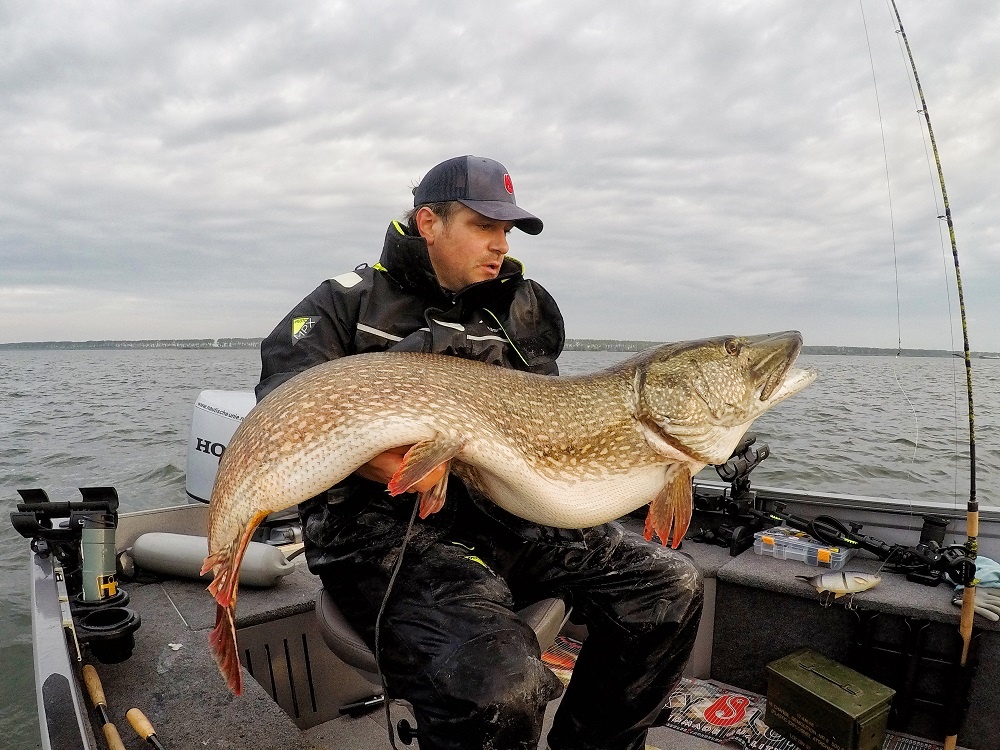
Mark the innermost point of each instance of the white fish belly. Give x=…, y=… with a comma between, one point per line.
x=570, y=502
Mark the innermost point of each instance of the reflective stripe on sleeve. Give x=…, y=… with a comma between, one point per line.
x=377, y=332
x=456, y=326
x=501, y=339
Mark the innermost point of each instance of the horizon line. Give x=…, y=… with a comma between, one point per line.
x=572, y=344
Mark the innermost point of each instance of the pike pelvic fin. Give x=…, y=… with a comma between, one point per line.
x=432, y=500
x=225, y=565
x=419, y=462
x=670, y=512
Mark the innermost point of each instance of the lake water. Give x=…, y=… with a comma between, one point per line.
x=878, y=426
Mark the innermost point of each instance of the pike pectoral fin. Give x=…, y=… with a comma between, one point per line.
x=225, y=565
x=421, y=461
x=670, y=512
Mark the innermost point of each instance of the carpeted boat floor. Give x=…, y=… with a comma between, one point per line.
x=699, y=712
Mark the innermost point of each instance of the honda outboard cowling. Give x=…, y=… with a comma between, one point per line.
x=215, y=417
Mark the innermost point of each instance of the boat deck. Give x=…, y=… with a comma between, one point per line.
x=757, y=611
x=370, y=733
x=172, y=678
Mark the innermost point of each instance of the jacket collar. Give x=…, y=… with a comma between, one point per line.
x=405, y=259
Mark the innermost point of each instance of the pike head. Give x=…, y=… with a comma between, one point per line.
x=696, y=399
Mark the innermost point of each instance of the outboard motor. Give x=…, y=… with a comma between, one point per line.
x=215, y=418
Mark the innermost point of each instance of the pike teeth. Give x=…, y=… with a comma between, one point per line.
x=793, y=381
x=776, y=376
x=771, y=384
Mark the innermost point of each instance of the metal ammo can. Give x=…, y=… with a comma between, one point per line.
x=823, y=705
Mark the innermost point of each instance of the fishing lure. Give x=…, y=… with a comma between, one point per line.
x=842, y=583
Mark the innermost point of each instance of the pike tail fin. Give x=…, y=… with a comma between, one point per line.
x=222, y=640
x=225, y=565
x=670, y=512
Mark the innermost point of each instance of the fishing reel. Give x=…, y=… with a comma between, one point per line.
x=929, y=561
x=936, y=564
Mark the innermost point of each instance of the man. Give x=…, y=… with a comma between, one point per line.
x=450, y=641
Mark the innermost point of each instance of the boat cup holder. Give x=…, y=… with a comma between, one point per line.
x=108, y=631
x=81, y=606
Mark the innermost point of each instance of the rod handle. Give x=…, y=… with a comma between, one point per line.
x=114, y=739
x=140, y=723
x=94, y=687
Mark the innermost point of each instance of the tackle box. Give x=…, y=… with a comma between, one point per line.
x=788, y=544
x=822, y=705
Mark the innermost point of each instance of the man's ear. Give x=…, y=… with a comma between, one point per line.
x=427, y=223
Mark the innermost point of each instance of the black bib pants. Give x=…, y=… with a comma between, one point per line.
x=452, y=645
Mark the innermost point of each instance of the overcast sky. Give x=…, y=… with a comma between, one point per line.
x=194, y=168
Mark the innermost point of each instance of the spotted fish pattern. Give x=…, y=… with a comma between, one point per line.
x=570, y=452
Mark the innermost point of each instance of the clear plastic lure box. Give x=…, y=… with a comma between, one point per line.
x=788, y=544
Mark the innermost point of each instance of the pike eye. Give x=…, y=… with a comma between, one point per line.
x=733, y=346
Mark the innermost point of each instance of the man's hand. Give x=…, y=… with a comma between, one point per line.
x=382, y=468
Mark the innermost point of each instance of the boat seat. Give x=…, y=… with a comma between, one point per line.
x=545, y=617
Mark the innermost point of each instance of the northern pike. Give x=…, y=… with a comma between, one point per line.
x=571, y=452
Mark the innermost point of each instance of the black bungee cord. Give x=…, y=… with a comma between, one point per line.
x=381, y=611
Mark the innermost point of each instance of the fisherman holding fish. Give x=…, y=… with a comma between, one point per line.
x=450, y=641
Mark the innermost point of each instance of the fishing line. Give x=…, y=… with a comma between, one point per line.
x=885, y=562
x=895, y=255
x=381, y=612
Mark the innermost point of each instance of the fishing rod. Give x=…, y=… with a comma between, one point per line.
x=929, y=562
x=972, y=512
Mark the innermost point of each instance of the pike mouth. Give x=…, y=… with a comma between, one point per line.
x=774, y=381
x=795, y=379
x=778, y=353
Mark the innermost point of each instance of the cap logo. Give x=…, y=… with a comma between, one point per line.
x=508, y=184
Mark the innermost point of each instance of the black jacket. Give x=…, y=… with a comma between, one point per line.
x=399, y=305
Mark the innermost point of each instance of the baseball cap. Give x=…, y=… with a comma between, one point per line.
x=481, y=184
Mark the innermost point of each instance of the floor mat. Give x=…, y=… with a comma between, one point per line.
x=715, y=712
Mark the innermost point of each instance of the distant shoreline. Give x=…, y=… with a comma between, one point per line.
x=572, y=345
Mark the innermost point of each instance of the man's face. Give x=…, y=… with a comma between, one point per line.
x=467, y=249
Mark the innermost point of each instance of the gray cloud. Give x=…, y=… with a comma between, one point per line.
x=193, y=169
